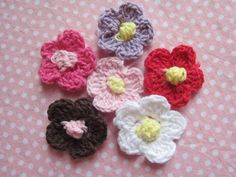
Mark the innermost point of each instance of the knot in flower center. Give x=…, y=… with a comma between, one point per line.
x=116, y=84
x=175, y=75
x=126, y=32
x=64, y=59
x=75, y=128
x=148, y=130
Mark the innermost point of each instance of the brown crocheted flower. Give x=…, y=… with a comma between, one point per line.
x=76, y=127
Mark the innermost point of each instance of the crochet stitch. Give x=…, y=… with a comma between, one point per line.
x=124, y=32
x=66, y=61
x=76, y=127
x=111, y=84
x=174, y=75
x=148, y=127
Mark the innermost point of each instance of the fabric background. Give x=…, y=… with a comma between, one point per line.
x=208, y=147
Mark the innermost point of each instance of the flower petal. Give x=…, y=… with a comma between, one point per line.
x=158, y=59
x=130, y=11
x=97, y=129
x=195, y=78
x=127, y=115
x=130, y=50
x=72, y=80
x=81, y=148
x=57, y=137
x=86, y=61
x=108, y=42
x=144, y=31
x=183, y=56
x=109, y=65
x=129, y=142
x=109, y=21
x=106, y=102
x=177, y=96
x=96, y=84
x=48, y=72
x=48, y=49
x=159, y=151
x=62, y=110
x=154, y=105
x=173, y=125
x=85, y=108
x=133, y=78
x=70, y=40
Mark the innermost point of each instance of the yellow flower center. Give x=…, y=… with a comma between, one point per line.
x=176, y=75
x=148, y=130
x=116, y=84
x=126, y=32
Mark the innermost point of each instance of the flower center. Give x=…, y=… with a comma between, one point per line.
x=148, y=130
x=116, y=84
x=176, y=75
x=76, y=129
x=64, y=59
x=126, y=32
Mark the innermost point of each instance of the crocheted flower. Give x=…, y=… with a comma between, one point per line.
x=111, y=84
x=124, y=32
x=66, y=61
x=174, y=75
x=75, y=127
x=148, y=127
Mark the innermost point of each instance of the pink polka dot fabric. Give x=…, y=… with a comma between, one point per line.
x=207, y=148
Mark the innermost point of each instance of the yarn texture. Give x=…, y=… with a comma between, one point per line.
x=66, y=61
x=111, y=84
x=148, y=127
x=124, y=32
x=176, y=75
x=76, y=127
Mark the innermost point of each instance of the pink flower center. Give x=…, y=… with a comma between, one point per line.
x=75, y=128
x=64, y=59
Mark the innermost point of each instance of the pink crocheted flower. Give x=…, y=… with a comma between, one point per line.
x=111, y=84
x=66, y=61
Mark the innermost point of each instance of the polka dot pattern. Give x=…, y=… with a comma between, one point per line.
x=208, y=146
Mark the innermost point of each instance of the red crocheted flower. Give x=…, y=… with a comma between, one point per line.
x=174, y=75
x=66, y=61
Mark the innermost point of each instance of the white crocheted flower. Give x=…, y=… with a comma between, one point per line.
x=148, y=127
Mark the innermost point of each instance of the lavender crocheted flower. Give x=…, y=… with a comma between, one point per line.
x=124, y=32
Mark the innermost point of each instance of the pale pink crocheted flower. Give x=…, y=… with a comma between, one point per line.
x=112, y=84
x=66, y=61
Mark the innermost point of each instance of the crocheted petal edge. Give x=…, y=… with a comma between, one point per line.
x=129, y=142
x=127, y=115
x=86, y=61
x=159, y=151
x=130, y=50
x=106, y=102
x=130, y=11
x=48, y=49
x=183, y=56
x=108, y=42
x=61, y=110
x=96, y=84
x=173, y=125
x=144, y=31
x=109, y=65
x=56, y=136
x=133, y=78
x=195, y=78
x=154, y=105
x=48, y=72
x=72, y=80
x=85, y=108
x=70, y=40
x=109, y=21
